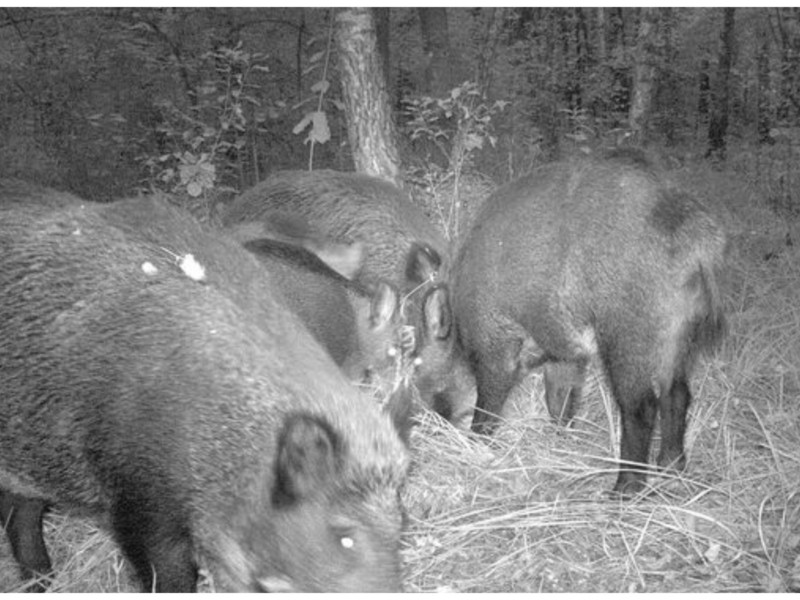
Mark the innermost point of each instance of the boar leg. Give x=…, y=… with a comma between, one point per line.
x=563, y=383
x=155, y=536
x=22, y=520
x=674, y=405
x=638, y=404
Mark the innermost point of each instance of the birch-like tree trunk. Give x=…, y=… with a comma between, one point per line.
x=370, y=127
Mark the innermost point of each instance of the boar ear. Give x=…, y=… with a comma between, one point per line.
x=436, y=307
x=345, y=259
x=307, y=459
x=384, y=305
x=279, y=226
x=247, y=232
x=422, y=263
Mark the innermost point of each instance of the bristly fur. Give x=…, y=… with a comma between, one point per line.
x=601, y=250
x=401, y=246
x=157, y=399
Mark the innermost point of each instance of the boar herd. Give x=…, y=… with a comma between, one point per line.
x=197, y=388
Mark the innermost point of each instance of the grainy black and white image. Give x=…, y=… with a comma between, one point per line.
x=493, y=299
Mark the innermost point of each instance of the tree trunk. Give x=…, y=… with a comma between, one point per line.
x=298, y=54
x=786, y=26
x=494, y=24
x=369, y=124
x=602, y=52
x=621, y=40
x=381, y=17
x=644, y=76
x=668, y=104
x=704, y=92
x=762, y=68
x=718, y=124
x=436, y=45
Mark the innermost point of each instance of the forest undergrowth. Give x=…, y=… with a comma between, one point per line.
x=529, y=510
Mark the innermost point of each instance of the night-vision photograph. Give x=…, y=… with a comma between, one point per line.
x=399, y=299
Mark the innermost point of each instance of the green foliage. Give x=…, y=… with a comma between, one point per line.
x=206, y=139
x=458, y=126
x=105, y=101
x=316, y=121
x=579, y=125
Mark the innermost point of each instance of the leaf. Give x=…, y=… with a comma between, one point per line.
x=194, y=189
x=302, y=124
x=320, y=132
x=316, y=56
x=321, y=86
x=207, y=170
x=207, y=88
x=310, y=69
x=302, y=102
x=473, y=141
x=197, y=175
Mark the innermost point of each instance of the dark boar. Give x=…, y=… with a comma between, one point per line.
x=150, y=377
x=361, y=330
x=401, y=246
x=344, y=258
x=592, y=258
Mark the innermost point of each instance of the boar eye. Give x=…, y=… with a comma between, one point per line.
x=345, y=537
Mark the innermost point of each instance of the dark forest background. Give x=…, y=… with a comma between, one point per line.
x=105, y=102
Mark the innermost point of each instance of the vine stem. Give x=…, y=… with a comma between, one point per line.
x=324, y=89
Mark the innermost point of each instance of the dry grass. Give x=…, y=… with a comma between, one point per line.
x=529, y=512
x=528, y=509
